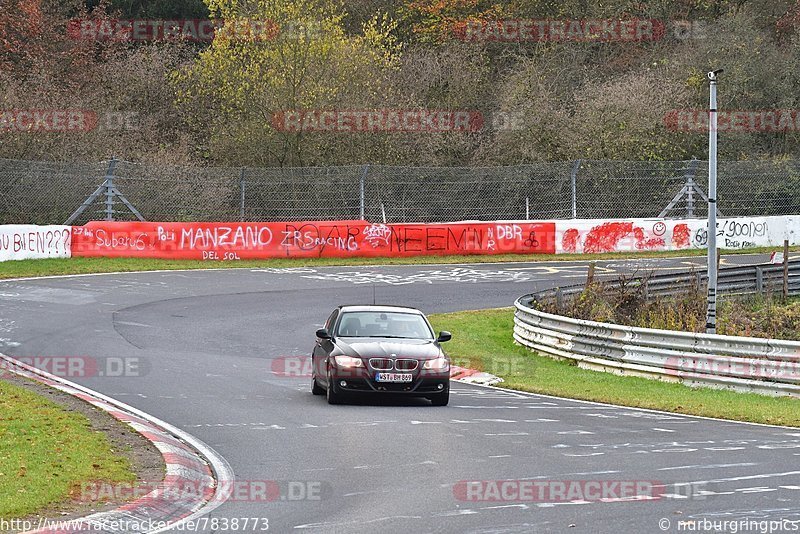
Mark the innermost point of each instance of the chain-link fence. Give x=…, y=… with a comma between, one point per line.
x=52, y=193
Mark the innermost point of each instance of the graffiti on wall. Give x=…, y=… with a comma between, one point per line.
x=235, y=241
x=342, y=239
x=632, y=235
x=22, y=242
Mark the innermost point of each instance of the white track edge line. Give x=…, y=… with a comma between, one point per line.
x=635, y=408
x=222, y=470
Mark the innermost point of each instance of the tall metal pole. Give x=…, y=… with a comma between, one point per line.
x=711, y=315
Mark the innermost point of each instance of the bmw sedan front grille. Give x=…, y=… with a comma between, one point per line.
x=381, y=364
x=406, y=365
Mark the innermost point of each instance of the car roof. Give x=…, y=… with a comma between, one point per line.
x=374, y=308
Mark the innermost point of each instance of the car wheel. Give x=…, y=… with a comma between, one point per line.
x=441, y=399
x=316, y=389
x=334, y=397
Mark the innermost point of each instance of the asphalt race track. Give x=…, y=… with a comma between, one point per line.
x=206, y=342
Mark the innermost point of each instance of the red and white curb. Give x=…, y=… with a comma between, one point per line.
x=473, y=376
x=190, y=463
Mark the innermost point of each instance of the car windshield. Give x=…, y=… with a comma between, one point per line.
x=384, y=324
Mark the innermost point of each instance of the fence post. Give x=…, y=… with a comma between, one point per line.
x=109, y=186
x=241, y=193
x=575, y=170
x=690, y=172
x=361, y=191
x=527, y=208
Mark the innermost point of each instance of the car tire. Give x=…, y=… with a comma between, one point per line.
x=316, y=389
x=334, y=396
x=441, y=399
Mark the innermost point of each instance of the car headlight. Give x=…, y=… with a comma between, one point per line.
x=438, y=364
x=347, y=361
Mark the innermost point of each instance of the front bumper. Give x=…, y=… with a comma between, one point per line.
x=362, y=380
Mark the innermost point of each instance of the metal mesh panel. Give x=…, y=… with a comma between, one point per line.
x=437, y=194
x=312, y=193
x=171, y=193
x=37, y=192
x=48, y=193
x=758, y=187
x=627, y=189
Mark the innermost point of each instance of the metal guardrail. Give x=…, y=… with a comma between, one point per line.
x=767, y=366
x=740, y=280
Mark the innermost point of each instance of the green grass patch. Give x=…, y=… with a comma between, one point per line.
x=482, y=340
x=46, y=453
x=50, y=267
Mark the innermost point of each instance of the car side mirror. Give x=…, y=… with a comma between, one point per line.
x=444, y=335
x=323, y=333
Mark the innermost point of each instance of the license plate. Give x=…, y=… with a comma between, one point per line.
x=393, y=377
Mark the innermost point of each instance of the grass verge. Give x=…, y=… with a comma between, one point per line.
x=47, y=452
x=49, y=267
x=482, y=340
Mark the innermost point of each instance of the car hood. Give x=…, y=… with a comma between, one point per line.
x=388, y=348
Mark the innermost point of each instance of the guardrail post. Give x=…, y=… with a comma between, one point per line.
x=759, y=280
x=785, y=269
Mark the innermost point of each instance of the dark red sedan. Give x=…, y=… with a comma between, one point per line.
x=380, y=349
